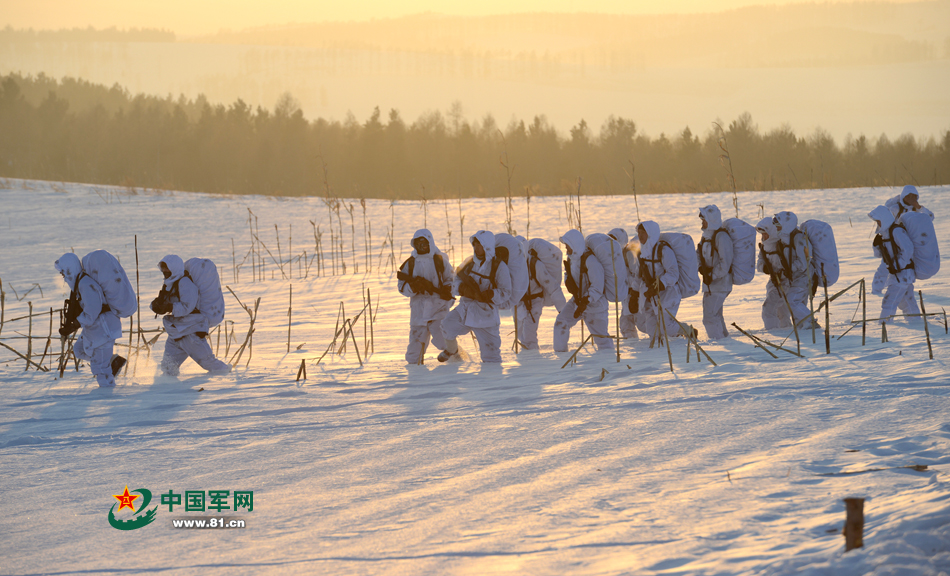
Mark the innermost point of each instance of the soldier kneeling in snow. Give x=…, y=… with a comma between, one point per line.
x=87, y=309
x=426, y=279
x=186, y=326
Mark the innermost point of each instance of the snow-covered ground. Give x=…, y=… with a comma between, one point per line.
x=523, y=468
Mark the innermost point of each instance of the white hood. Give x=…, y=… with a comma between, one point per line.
x=885, y=217
x=766, y=225
x=788, y=221
x=620, y=235
x=71, y=268
x=575, y=240
x=907, y=191
x=177, y=268
x=487, y=240
x=653, y=236
x=713, y=218
x=423, y=233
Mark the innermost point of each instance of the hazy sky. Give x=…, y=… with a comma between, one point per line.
x=190, y=17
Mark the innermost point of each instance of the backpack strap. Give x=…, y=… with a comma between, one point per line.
x=439, y=267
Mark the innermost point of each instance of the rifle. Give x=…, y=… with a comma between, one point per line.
x=470, y=288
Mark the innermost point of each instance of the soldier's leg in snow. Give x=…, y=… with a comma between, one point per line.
x=418, y=340
x=100, y=361
x=200, y=351
x=646, y=319
x=894, y=294
x=908, y=304
x=452, y=328
x=562, y=326
x=628, y=327
x=489, y=343
x=173, y=358
x=798, y=301
x=713, y=319
x=671, y=305
x=774, y=311
x=597, y=324
x=435, y=331
x=528, y=325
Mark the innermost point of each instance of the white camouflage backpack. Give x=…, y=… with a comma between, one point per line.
x=821, y=249
x=105, y=269
x=743, y=250
x=615, y=268
x=549, y=256
x=510, y=250
x=926, y=257
x=204, y=274
x=686, y=261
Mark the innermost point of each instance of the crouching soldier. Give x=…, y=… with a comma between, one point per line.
x=87, y=309
x=482, y=283
x=425, y=278
x=584, y=278
x=186, y=326
x=774, y=309
x=655, y=284
x=715, y=252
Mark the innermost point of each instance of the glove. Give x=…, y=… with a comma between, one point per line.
x=633, y=304
x=878, y=240
x=466, y=290
x=486, y=296
x=707, y=277
x=445, y=293
x=160, y=306
x=69, y=327
x=654, y=290
x=581, y=304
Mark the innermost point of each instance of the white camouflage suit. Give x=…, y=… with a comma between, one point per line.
x=628, y=325
x=879, y=282
x=590, y=286
x=796, y=259
x=186, y=326
x=660, y=264
x=897, y=247
x=480, y=318
x=543, y=290
x=426, y=310
x=718, y=260
x=99, y=329
x=774, y=311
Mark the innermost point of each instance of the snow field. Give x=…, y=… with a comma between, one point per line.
x=463, y=468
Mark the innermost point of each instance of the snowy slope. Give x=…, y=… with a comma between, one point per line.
x=523, y=468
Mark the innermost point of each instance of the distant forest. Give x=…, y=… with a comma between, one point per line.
x=72, y=130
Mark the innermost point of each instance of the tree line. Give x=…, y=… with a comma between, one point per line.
x=76, y=131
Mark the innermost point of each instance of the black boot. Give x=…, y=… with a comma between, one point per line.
x=117, y=363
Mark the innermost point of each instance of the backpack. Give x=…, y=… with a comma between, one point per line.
x=106, y=271
x=920, y=228
x=204, y=274
x=821, y=249
x=510, y=250
x=543, y=253
x=743, y=250
x=686, y=260
x=615, y=268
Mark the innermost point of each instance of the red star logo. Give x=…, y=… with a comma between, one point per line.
x=125, y=499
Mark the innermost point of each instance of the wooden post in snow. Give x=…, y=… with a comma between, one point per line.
x=923, y=312
x=854, y=524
